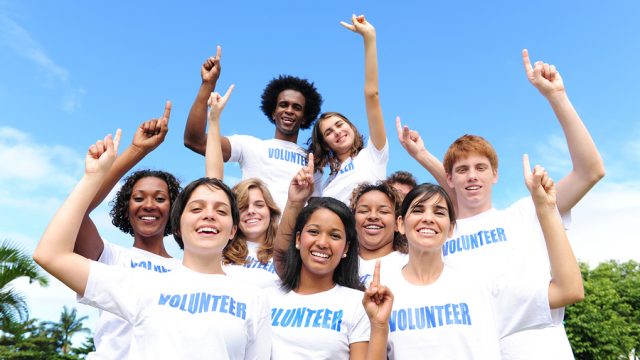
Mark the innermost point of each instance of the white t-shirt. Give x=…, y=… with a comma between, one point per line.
x=507, y=246
x=184, y=314
x=390, y=263
x=112, y=334
x=370, y=165
x=273, y=161
x=317, y=326
x=448, y=319
x=262, y=275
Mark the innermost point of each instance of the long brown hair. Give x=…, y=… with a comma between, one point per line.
x=236, y=251
x=322, y=153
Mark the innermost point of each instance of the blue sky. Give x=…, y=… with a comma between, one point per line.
x=74, y=71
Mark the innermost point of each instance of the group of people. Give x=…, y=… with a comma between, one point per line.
x=293, y=262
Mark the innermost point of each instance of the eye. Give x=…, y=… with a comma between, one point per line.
x=160, y=199
x=138, y=198
x=195, y=209
x=461, y=170
x=313, y=232
x=222, y=212
x=297, y=107
x=336, y=236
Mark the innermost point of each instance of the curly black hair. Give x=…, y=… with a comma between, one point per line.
x=312, y=99
x=120, y=204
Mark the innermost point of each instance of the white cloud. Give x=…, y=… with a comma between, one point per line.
x=605, y=224
x=23, y=44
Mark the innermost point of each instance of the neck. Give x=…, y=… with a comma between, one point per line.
x=313, y=284
x=203, y=264
x=466, y=211
x=344, y=156
x=290, y=138
x=257, y=239
x=424, y=267
x=370, y=254
x=152, y=245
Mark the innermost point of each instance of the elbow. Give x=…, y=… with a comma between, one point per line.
x=193, y=144
x=575, y=295
x=371, y=92
x=40, y=258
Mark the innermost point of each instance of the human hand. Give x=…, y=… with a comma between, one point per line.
x=540, y=185
x=211, y=68
x=543, y=76
x=409, y=139
x=151, y=133
x=102, y=154
x=378, y=300
x=217, y=103
x=302, y=184
x=360, y=25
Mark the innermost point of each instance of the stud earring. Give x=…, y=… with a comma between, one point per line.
x=344, y=255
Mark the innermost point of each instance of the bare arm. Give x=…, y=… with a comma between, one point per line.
x=195, y=132
x=55, y=249
x=413, y=144
x=371, y=95
x=214, y=164
x=149, y=135
x=300, y=190
x=566, y=284
x=588, y=167
x=378, y=303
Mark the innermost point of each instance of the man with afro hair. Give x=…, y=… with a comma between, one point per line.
x=289, y=102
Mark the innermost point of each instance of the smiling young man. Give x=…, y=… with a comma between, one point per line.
x=290, y=103
x=496, y=244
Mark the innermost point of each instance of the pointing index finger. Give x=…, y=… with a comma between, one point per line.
x=167, y=110
x=526, y=166
x=376, y=274
x=527, y=63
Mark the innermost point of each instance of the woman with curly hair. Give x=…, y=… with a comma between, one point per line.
x=250, y=253
x=376, y=208
x=141, y=209
x=336, y=142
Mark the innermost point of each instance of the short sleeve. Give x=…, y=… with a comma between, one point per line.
x=115, y=289
x=361, y=329
x=238, y=144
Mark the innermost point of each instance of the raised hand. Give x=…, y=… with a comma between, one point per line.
x=102, y=154
x=211, y=68
x=540, y=185
x=378, y=300
x=217, y=103
x=302, y=184
x=151, y=133
x=543, y=76
x=360, y=25
x=409, y=139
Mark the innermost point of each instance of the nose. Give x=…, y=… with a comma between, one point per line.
x=373, y=215
x=322, y=241
x=148, y=204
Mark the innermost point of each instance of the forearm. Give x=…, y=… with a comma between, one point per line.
x=588, y=167
x=195, y=130
x=55, y=249
x=371, y=93
x=285, y=232
x=566, y=284
x=377, y=349
x=214, y=165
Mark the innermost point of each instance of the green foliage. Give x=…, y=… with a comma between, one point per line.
x=15, y=263
x=606, y=325
x=44, y=339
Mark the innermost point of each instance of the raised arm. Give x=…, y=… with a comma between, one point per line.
x=149, y=135
x=300, y=190
x=214, y=164
x=566, y=284
x=55, y=249
x=195, y=131
x=588, y=167
x=413, y=144
x=371, y=95
x=378, y=302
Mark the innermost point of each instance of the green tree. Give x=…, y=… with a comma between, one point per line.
x=68, y=325
x=606, y=325
x=15, y=263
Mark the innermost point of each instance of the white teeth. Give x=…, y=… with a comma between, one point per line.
x=426, y=231
x=148, y=217
x=473, y=187
x=252, y=221
x=207, y=230
x=373, y=227
x=319, y=254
